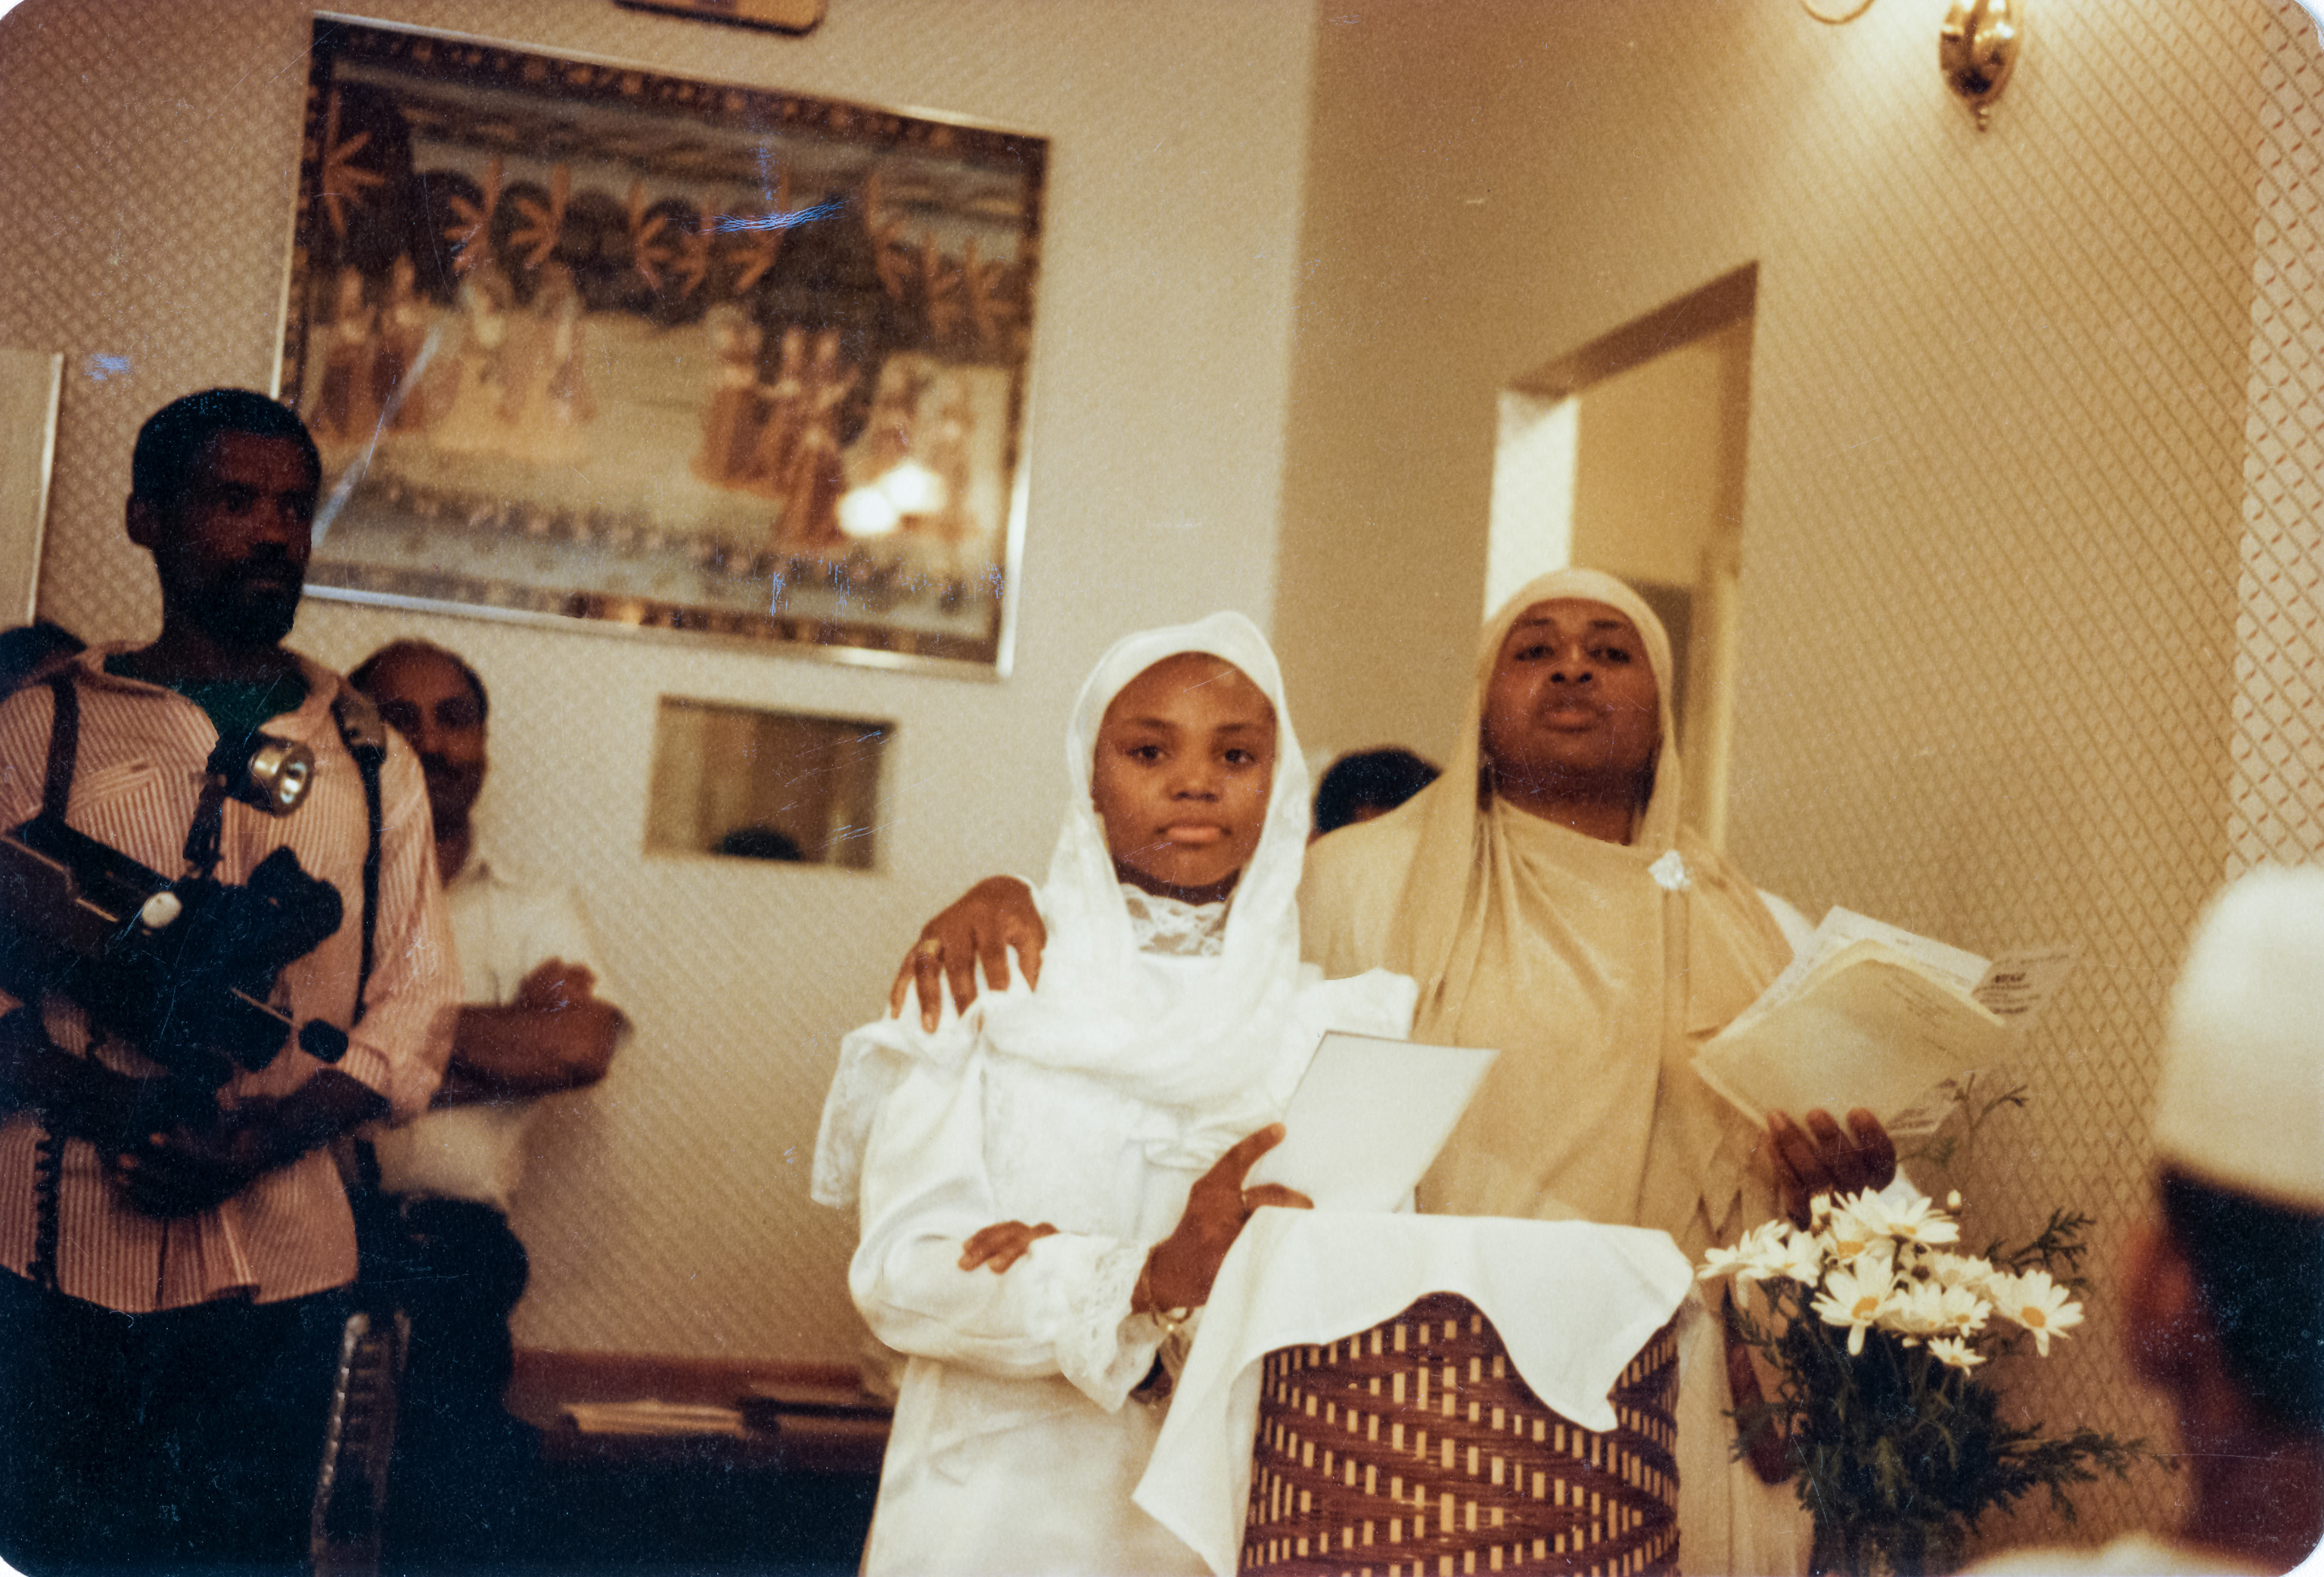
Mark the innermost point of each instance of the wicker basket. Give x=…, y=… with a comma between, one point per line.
x=1415, y=1450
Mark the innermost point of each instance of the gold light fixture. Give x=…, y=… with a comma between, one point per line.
x=1977, y=49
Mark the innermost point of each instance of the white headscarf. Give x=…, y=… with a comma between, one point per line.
x=1214, y=1044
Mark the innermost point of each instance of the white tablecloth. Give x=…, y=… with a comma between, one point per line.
x=1573, y=1302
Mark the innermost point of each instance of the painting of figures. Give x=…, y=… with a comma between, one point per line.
x=581, y=341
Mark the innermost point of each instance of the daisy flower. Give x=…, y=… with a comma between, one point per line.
x=1856, y=1300
x=1927, y=1308
x=1916, y=1221
x=1756, y=1255
x=2039, y=1304
x=1961, y=1270
x=1955, y=1353
x=1799, y=1256
x=1917, y=1311
x=1963, y=1309
x=1847, y=1234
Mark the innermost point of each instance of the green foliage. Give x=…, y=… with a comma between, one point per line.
x=1974, y=1105
x=1897, y=1454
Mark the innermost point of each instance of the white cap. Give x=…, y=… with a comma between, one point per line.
x=2242, y=1100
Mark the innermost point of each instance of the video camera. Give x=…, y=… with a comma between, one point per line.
x=179, y=969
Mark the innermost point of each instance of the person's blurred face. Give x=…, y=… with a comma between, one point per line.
x=426, y=700
x=2163, y=1333
x=1184, y=767
x=1572, y=706
x=231, y=550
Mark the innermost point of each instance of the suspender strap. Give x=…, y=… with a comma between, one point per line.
x=64, y=748
x=369, y=883
x=49, y=1144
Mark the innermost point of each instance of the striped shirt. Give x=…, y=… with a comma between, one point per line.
x=139, y=774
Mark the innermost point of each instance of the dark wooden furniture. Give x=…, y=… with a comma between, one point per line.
x=794, y=1498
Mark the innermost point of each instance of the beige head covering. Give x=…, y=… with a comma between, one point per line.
x=1429, y=933
x=2242, y=1101
x=1591, y=977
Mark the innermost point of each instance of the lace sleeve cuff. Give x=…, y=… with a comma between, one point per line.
x=1102, y=1347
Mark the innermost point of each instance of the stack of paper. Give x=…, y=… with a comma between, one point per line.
x=766, y=1404
x=649, y=1417
x=1369, y=1117
x=1869, y=1015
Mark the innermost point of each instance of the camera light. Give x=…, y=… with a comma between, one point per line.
x=279, y=773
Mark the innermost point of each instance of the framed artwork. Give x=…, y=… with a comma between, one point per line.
x=774, y=16
x=582, y=341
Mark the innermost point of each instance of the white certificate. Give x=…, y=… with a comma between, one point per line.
x=1369, y=1117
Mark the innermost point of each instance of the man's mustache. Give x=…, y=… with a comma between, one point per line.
x=274, y=564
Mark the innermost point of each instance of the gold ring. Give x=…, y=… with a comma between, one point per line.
x=930, y=947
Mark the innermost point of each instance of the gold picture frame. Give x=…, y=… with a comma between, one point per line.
x=594, y=345
x=792, y=16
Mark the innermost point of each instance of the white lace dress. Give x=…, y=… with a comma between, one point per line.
x=1160, y=1035
x=1017, y=1442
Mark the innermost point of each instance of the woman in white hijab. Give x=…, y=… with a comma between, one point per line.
x=1163, y=1033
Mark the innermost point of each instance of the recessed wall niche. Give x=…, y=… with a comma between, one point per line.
x=752, y=784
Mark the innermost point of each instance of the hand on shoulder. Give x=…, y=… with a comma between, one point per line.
x=979, y=927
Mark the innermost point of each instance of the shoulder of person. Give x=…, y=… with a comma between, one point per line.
x=512, y=889
x=31, y=696
x=1353, y=882
x=1357, y=851
x=1709, y=867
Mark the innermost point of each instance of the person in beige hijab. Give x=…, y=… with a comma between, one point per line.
x=1552, y=903
x=1549, y=899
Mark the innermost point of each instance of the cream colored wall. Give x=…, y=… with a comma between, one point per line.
x=149, y=154
x=1650, y=486
x=1996, y=467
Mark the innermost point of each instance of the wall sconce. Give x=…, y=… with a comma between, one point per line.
x=1836, y=13
x=1977, y=47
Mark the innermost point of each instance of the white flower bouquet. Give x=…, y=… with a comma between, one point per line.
x=1876, y=1326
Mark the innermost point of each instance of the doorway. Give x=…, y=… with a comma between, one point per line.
x=1627, y=456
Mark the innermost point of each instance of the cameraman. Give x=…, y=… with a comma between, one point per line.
x=174, y=1299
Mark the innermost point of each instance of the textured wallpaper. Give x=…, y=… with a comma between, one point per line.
x=149, y=154
x=2030, y=588
x=2278, y=812
x=1991, y=682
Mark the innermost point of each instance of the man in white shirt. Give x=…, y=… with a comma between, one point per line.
x=530, y=1024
